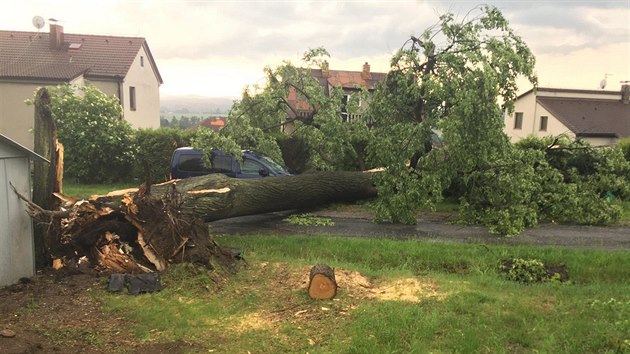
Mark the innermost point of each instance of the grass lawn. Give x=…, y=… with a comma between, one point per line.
x=394, y=297
x=87, y=190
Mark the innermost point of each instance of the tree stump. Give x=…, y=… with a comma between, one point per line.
x=322, y=283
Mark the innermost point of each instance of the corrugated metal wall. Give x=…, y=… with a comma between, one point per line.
x=16, y=229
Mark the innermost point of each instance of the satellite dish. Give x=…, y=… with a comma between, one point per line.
x=38, y=22
x=604, y=82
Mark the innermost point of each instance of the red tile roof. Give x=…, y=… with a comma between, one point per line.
x=348, y=79
x=28, y=55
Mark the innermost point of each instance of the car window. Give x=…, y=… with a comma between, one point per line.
x=222, y=163
x=191, y=163
x=276, y=168
x=251, y=167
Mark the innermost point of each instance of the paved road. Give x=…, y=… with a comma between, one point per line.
x=574, y=236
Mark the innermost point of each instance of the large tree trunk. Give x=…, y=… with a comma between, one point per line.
x=146, y=229
x=215, y=197
x=46, y=176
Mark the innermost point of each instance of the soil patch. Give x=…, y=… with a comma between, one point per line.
x=56, y=312
x=289, y=283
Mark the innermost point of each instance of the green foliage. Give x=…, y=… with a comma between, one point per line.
x=527, y=271
x=155, y=147
x=455, y=79
x=98, y=143
x=546, y=179
x=624, y=146
x=449, y=79
x=207, y=139
x=264, y=115
x=308, y=220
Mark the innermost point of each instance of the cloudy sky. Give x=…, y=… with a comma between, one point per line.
x=216, y=48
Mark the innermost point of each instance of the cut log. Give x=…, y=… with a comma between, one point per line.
x=322, y=284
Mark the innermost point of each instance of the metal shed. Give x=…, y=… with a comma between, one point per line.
x=17, y=254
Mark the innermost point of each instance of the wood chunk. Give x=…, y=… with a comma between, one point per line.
x=322, y=283
x=7, y=333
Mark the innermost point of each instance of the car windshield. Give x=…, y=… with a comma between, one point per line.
x=274, y=166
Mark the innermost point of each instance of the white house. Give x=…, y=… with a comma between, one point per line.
x=599, y=117
x=120, y=66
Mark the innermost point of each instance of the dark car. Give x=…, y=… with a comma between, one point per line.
x=188, y=162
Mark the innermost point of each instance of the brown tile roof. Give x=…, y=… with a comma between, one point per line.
x=590, y=117
x=348, y=79
x=27, y=55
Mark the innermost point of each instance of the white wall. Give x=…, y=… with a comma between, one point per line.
x=143, y=78
x=603, y=141
x=16, y=118
x=17, y=258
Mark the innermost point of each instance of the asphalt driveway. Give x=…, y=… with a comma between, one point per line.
x=431, y=228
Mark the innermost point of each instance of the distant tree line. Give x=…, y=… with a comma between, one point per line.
x=184, y=122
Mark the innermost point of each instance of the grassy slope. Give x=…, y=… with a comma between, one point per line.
x=261, y=309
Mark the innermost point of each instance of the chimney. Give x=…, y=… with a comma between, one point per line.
x=365, y=74
x=625, y=93
x=325, y=72
x=56, y=36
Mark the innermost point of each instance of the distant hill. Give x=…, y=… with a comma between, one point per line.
x=196, y=104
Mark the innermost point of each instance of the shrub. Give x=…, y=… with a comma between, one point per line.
x=624, y=146
x=98, y=144
x=532, y=271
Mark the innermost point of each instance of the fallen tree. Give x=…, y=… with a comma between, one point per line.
x=146, y=229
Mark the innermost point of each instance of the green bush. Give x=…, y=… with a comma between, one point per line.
x=545, y=179
x=624, y=146
x=155, y=147
x=98, y=144
x=528, y=271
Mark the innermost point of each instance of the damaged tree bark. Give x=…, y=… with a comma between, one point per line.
x=134, y=231
x=47, y=177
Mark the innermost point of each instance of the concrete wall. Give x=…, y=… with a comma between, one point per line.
x=16, y=118
x=109, y=88
x=603, y=141
x=17, y=258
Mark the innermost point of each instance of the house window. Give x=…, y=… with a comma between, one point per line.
x=141, y=61
x=132, y=98
x=543, y=123
x=344, y=111
x=518, y=120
